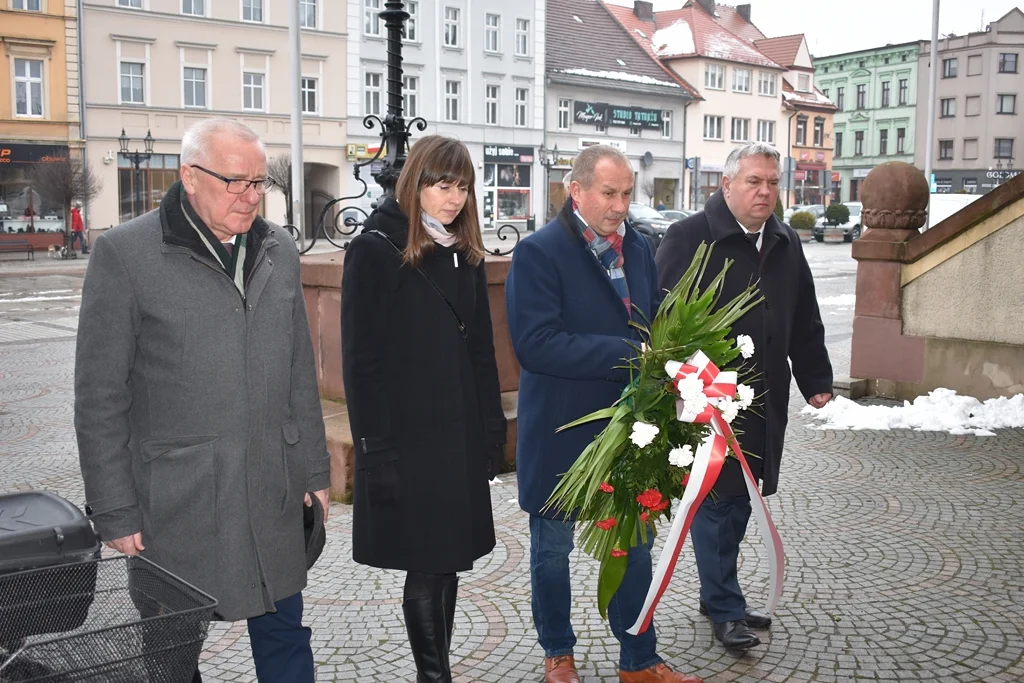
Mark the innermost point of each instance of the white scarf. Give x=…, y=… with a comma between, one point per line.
x=437, y=232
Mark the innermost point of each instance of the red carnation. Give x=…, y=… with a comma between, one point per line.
x=644, y=516
x=606, y=524
x=650, y=499
x=660, y=506
x=618, y=553
x=607, y=488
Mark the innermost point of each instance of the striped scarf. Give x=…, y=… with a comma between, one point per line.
x=608, y=251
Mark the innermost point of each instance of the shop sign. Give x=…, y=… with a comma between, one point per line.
x=19, y=153
x=509, y=154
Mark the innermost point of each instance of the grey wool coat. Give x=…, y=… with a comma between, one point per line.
x=197, y=411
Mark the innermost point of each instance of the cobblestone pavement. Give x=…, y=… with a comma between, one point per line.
x=903, y=548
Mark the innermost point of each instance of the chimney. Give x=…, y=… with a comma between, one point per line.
x=744, y=11
x=708, y=5
x=643, y=10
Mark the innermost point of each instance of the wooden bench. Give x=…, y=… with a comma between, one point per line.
x=15, y=246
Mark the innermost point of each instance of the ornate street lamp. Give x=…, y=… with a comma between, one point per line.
x=136, y=158
x=548, y=159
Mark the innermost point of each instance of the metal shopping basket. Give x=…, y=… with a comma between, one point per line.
x=121, y=620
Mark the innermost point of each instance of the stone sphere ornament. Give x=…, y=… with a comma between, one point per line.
x=895, y=197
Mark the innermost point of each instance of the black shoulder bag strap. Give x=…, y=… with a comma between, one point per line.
x=458, y=320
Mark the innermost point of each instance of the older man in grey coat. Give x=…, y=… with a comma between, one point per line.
x=199, y=425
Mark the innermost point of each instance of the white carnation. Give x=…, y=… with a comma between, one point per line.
x=729, y=408
x=746, y=345
x=643, y=434
x=745, y=396
x=681, y=456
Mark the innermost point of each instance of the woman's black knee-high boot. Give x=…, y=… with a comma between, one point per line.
x=424, y=610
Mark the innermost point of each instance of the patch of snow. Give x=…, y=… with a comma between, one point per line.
x=841, y=300
x=722, y=45
x=617, y=76
x=674, y=40
x=495, y=482
x=942, y=410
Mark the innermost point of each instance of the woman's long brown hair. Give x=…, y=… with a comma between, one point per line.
x=432, y=160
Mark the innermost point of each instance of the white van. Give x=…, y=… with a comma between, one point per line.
x=942, y=206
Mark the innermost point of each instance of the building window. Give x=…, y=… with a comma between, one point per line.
x=819, y=132
x=1004, y=148
x=252, y=91
x=825, y=93
x=134, y=4
x=410, y=95
x=949, y=67
x=307, y=13
x=971, y=185
x=714, y=77
x=564, y=112
x=194, y=7
x=522, y=100
x=28, y=5
x=156, y=176
x=839, y=144
x=862, y=96
x=972, y=105
x=901, y=140
x=974, y=65
x=947, y=107
x=741, y=80
x=885, y=93
x=801, y=130
x=740, y=130
x=883, y=142
x=709, y=182
x=522, y=38
x=713, y=127
x=945, y=150
x=195, y=87
x=766, y=131
x=28, y=87
x=309, y=96
x=858, y=143
x=1007, y=62
x=371, y=93
x=492, y=33
x=840, y=98
x=492, y=97
x=371, y=17
x=1006, y=104
x=132, y=83
x=766, y=83
x=970, y=148
x=634, y=131
x=409, y=30
x=451, y=27
x=252, y=10
x=666, y=124
x=803, y=83
x=904, y=91
x=451, y=101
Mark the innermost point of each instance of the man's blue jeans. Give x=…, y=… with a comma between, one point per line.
x=551, y=542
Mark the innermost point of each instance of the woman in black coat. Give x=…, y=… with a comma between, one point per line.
x=422, y=388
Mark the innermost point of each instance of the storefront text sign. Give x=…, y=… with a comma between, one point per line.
x=595, y=113
x=509, y=154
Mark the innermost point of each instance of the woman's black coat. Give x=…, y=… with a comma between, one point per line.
x=785, y=327
x=424, y=403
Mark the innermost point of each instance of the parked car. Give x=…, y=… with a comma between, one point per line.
x=675, y=215
x=648, y=222
x=818, y=210
x=850, y=230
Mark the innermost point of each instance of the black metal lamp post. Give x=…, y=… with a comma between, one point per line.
x=137, y=158
x=548, y=159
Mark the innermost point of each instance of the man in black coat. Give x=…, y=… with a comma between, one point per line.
x=786, y=327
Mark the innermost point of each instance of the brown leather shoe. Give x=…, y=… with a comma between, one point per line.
x=560, y=670
x=659, y=673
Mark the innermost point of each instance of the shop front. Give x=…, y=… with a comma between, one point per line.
x=508, y=172
x=23, y=207
x=809, y=178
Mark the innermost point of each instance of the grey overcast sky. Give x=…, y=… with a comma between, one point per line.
x=838, y=26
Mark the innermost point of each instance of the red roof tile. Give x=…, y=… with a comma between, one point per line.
x=729, y=18
x=782, y=50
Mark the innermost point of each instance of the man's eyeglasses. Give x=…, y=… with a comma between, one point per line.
x=240, y=185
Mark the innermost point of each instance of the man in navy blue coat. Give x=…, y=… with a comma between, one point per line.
x=571, y=292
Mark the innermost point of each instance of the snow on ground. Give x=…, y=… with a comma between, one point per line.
x=942, y=410
x=841, y=300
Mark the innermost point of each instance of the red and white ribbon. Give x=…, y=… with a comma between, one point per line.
x=707, y=465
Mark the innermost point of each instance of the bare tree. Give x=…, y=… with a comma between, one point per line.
x=65, y=182
x=279, y=170
x=647, y=187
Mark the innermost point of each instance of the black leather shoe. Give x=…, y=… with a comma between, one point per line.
x=736, y=635
x=754, y=618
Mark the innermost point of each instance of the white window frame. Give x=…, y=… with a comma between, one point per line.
x=666, y=124
x=452, y=100
x=522, y=44
x=492, y=104
x=564, y=113
x=193, y=13
x=1008, y=97
x=714, y=131
x=26, y=5
x=205, y=82
x=411, y=27
x=634, y=131
x=317, y=9
x=142, y=77
x=371, y=18
x=744, y=126
x=766, y=131
x=803, y=83
x=522, y=107
x=452, y=27
x=767, y=83
x=741, y=79
x=131, y=4
x=252, y=88
x=315, y=90
x=373, y=93
x=714, y=77
x=28, y=81
x=492, y=33
x=262, y=7
x=410, y=95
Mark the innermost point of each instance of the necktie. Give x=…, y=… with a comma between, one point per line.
x=752, y=237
